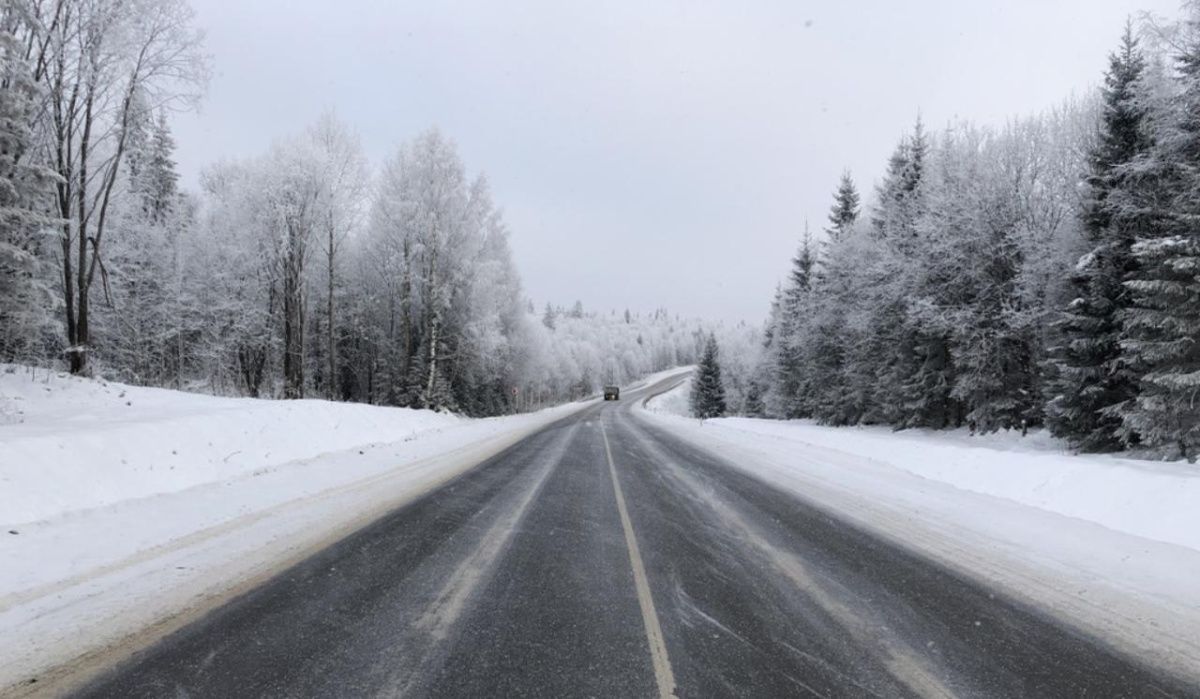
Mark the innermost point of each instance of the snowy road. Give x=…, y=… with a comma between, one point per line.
x=603, y=556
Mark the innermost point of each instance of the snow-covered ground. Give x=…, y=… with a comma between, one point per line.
x=126, y=511
x=1111, y=544
x=71, y=444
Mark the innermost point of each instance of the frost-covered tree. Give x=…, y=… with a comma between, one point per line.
x=892, y=352
x=342, y=196
x=707, y=398
x=444, y=295
x=25, y=294
x=933, y=314
x=753, y=405
x=791, y=392
x=1093, y=383
x=1162, y=323
x=99, y=63
x=845, y=209
x=141, y=331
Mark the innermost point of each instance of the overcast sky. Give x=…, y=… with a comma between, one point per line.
x=646, y=153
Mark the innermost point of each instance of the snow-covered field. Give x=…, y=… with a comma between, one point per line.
x=1111, y=544
x=125, y=508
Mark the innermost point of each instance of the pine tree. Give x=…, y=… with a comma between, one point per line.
x=708, y=392
x=899, y=195
x=549, y=318
x=162, y=181
x=825, y=346
x=1162, y=322
x=24, y=293
x=753, y=405
x=140, y=333
x=844, y=211
x=893, y=345
x=1163, y=325
x=1092, y=382
x=792, y=399
x=995, y=370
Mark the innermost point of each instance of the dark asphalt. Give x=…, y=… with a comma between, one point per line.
x=516, y=579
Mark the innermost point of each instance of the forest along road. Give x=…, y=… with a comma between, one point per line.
x=602, y=557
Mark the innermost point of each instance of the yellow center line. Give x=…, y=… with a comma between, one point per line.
x=654, y=635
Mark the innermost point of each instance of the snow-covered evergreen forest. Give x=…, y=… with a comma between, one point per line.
x=1046, y=272
x=301, y=271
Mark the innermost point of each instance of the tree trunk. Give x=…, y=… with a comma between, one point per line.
x=331, y=380
x=293, y=314
x=79, y=344
x=433, y=326
x=406, y=312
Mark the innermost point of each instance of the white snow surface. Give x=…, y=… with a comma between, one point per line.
x=69, y=444
x=1152, y=499
x=1111, y=545
x=125, y=511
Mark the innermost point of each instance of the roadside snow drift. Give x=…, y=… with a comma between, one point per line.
x=69, y=444
x=1150, y=499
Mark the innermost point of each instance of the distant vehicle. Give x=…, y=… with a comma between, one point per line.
x=612, y=393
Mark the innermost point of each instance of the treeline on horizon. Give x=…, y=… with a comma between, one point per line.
x=297, y=272
x=1042, y=273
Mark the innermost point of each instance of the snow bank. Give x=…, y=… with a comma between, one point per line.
x=69, y=444
x=673, y=402
x=1150, y=499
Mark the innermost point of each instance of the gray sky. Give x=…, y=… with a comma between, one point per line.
x=646, y=153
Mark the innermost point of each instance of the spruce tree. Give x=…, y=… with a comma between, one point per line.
x=1162, y=324
x=162, y=181
x=893, y=345
x=824, y=352
x=1092, y=382
x=791, y=373
x=844, y=211
x=753, y=405
x=25, y=296
x=708, y=393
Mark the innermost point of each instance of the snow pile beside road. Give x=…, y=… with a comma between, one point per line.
x=1149, y=499
x=673, y=402
x=69, y=444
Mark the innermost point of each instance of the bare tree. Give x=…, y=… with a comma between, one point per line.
x=100, y=61
x=342, y=193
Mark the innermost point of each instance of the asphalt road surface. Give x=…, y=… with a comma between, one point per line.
x=601, y=557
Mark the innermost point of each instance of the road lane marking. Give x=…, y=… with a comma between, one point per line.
x=654, y=635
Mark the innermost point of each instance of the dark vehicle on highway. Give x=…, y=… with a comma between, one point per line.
x=612, y=393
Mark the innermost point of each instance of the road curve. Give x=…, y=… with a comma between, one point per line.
x=604, y=557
